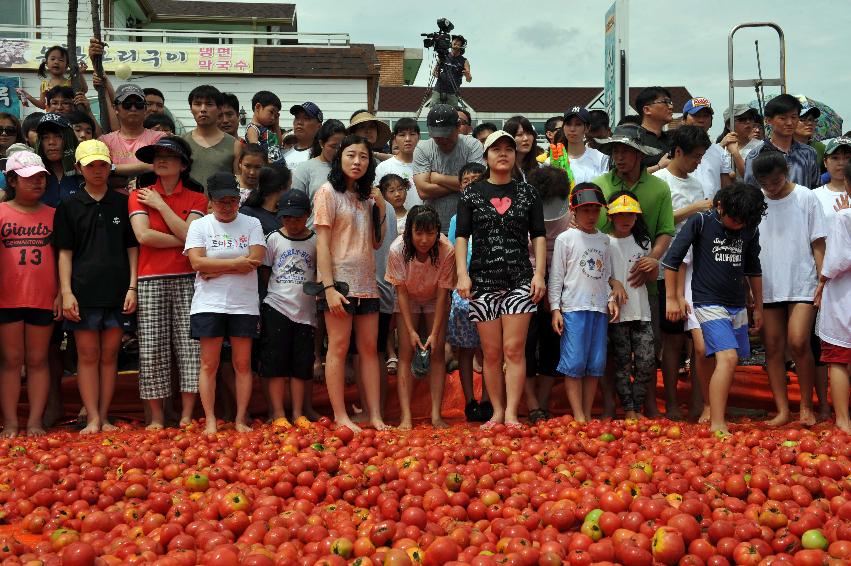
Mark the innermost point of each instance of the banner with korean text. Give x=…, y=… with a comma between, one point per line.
x=141, y=57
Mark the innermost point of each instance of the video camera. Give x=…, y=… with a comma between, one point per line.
x=440, y=40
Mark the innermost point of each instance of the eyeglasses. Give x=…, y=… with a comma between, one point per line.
x=128, y=104
x=8, y=130
x=463, y=122
x=665, y=101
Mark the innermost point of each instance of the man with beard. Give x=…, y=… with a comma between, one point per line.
x=212, y=149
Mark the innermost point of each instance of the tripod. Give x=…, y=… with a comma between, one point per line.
x=426, y=101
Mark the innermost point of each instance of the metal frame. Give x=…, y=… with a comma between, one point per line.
x=758, y=82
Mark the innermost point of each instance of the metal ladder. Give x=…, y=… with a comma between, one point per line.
x=758, y=82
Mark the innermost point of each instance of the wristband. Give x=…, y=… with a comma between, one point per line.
x=131, y=288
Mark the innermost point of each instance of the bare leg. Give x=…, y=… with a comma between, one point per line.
x=672, y=347
x=404, y=377
x=38, y=374
x=821, y=392
x=839, y=395
x=545, y=387
x=88, y=379
x=465, y=372
x=110, y=344
x=437, y=377
x=155, y=407
x=490, y=333
x=515, y=328
x=719, y=388
x=297, y=388
x=366, y=336
x=704, y=368
x=530, y=393
x=589, y=389
x=774, y=339
x=187, y=402
x=339, y=332
x=211, y=350
x=241, y=359
x=227, y=394
x=277, y=385
x=573, y=387
x=11, y=361
x=799, y=330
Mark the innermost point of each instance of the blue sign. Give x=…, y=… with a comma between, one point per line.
x=9, y=101
x=611, y=58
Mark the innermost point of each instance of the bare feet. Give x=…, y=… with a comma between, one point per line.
x=405, y=424
x=704, y=416
x=154, y=426
x=780, y=420
x=91, y=428
x=807, y=418
x=210, y=427
x=719, y=429
x=347, y=422
x=629, y=416
x=439, y=423
x=9, y=431
x=35, y=431
x=242, y=427
x=844, y=426
x=379, y=424
x=108, y=427
x=185, y=421
x=311, y=414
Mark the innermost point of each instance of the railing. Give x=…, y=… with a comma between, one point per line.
x=187, y=36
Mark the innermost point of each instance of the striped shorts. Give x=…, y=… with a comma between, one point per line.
x=724, y=328
x=163, y=320
x=491, y=305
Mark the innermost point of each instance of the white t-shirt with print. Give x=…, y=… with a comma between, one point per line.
x=589, y=166
x=683, y=191
x=293, y=263
x=295, y=157
x=404, y=170
x=231, y=293
x=712, y=166
x=580, y=271
x=625, y=254
x=790, y=226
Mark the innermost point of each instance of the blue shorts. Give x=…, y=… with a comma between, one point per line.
x=724, y=328
x=101, y=318
x=583, y=344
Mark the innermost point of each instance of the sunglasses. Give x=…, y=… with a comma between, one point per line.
x=8, y=130
x=128, y=104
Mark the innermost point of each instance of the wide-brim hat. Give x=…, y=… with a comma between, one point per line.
x=628, y=136
x=146, y=154
x=384, y=133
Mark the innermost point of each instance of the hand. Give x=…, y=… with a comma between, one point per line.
x=57, y=307
x=643, y=271
x=702, y=205
x=207, y=276
x=730, y=142
x=538, y=288
x=819, y=290
x=379, y=200
x=130, y=302
x=614, y=310
x=22, y=92
x=81, y=100
x=70, y=308
x=82, y=66
x=618, y=292
x=150, y=197
x=558, y=322
x=684, y=306
x=673, y=310
x=664, y=162
x=756, y=315
x=430, y=342
x=244, y=264
x=842, y=203
x=414, y=337
x=335, y=302
x=95, y=48
x=464, y=286
x=97, y=80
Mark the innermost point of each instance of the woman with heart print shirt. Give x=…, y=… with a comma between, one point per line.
x=501, y=215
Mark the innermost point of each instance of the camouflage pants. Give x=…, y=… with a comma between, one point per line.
x=634, y=359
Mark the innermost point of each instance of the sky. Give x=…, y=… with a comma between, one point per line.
x=560, y=42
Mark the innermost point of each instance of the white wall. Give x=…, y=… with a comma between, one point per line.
x=338, y=98
x=54, y=14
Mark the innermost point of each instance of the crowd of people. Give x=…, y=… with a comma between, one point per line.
x=335, y=253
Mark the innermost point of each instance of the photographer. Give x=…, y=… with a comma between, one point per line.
x=448, y=72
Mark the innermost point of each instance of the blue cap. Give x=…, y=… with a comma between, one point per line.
x=580, y=112
x=308, y=108
x=695, y=105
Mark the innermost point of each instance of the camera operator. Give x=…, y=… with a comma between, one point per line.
x=448, y=72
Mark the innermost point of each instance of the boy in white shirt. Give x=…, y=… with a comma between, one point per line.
x=406, y=135
x=714, y=169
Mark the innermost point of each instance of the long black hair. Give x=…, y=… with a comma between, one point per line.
x=512, y=126
x=268, y=184
x=328, y=129
x=421, y=217
x=639, y=230
x=337, y=177
x=42, y=69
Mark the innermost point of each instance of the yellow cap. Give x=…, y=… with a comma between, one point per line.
x=624, y=203
x=92, y=150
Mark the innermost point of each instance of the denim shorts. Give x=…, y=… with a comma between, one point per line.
x=102, y=318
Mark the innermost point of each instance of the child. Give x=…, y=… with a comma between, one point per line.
x=29, y=302
x=791, y=238
x=29, y=127
x=97, y=276
x=83, y=125
x=54, y=69
x=160, y=122
x=251, y=161
x=461, y=332
x=395, y=189
x=264, y=128
x=288, y=315
x=56, y=146
x=583, y=295
x=501, y=214
x=725, y=242
x=631, y=337
x=834, y=327
x=422, y=267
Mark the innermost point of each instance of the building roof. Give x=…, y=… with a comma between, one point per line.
x=542, y=100
x=190, y=9
x=355, y=61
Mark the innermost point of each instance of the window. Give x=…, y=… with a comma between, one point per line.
x=18, y=13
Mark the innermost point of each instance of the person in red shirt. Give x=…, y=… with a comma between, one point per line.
x=160, y=214
x=29, y=302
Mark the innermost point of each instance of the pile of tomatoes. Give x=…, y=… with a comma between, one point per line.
x=632, y=493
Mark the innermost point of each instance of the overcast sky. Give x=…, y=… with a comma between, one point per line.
x=560, y=42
